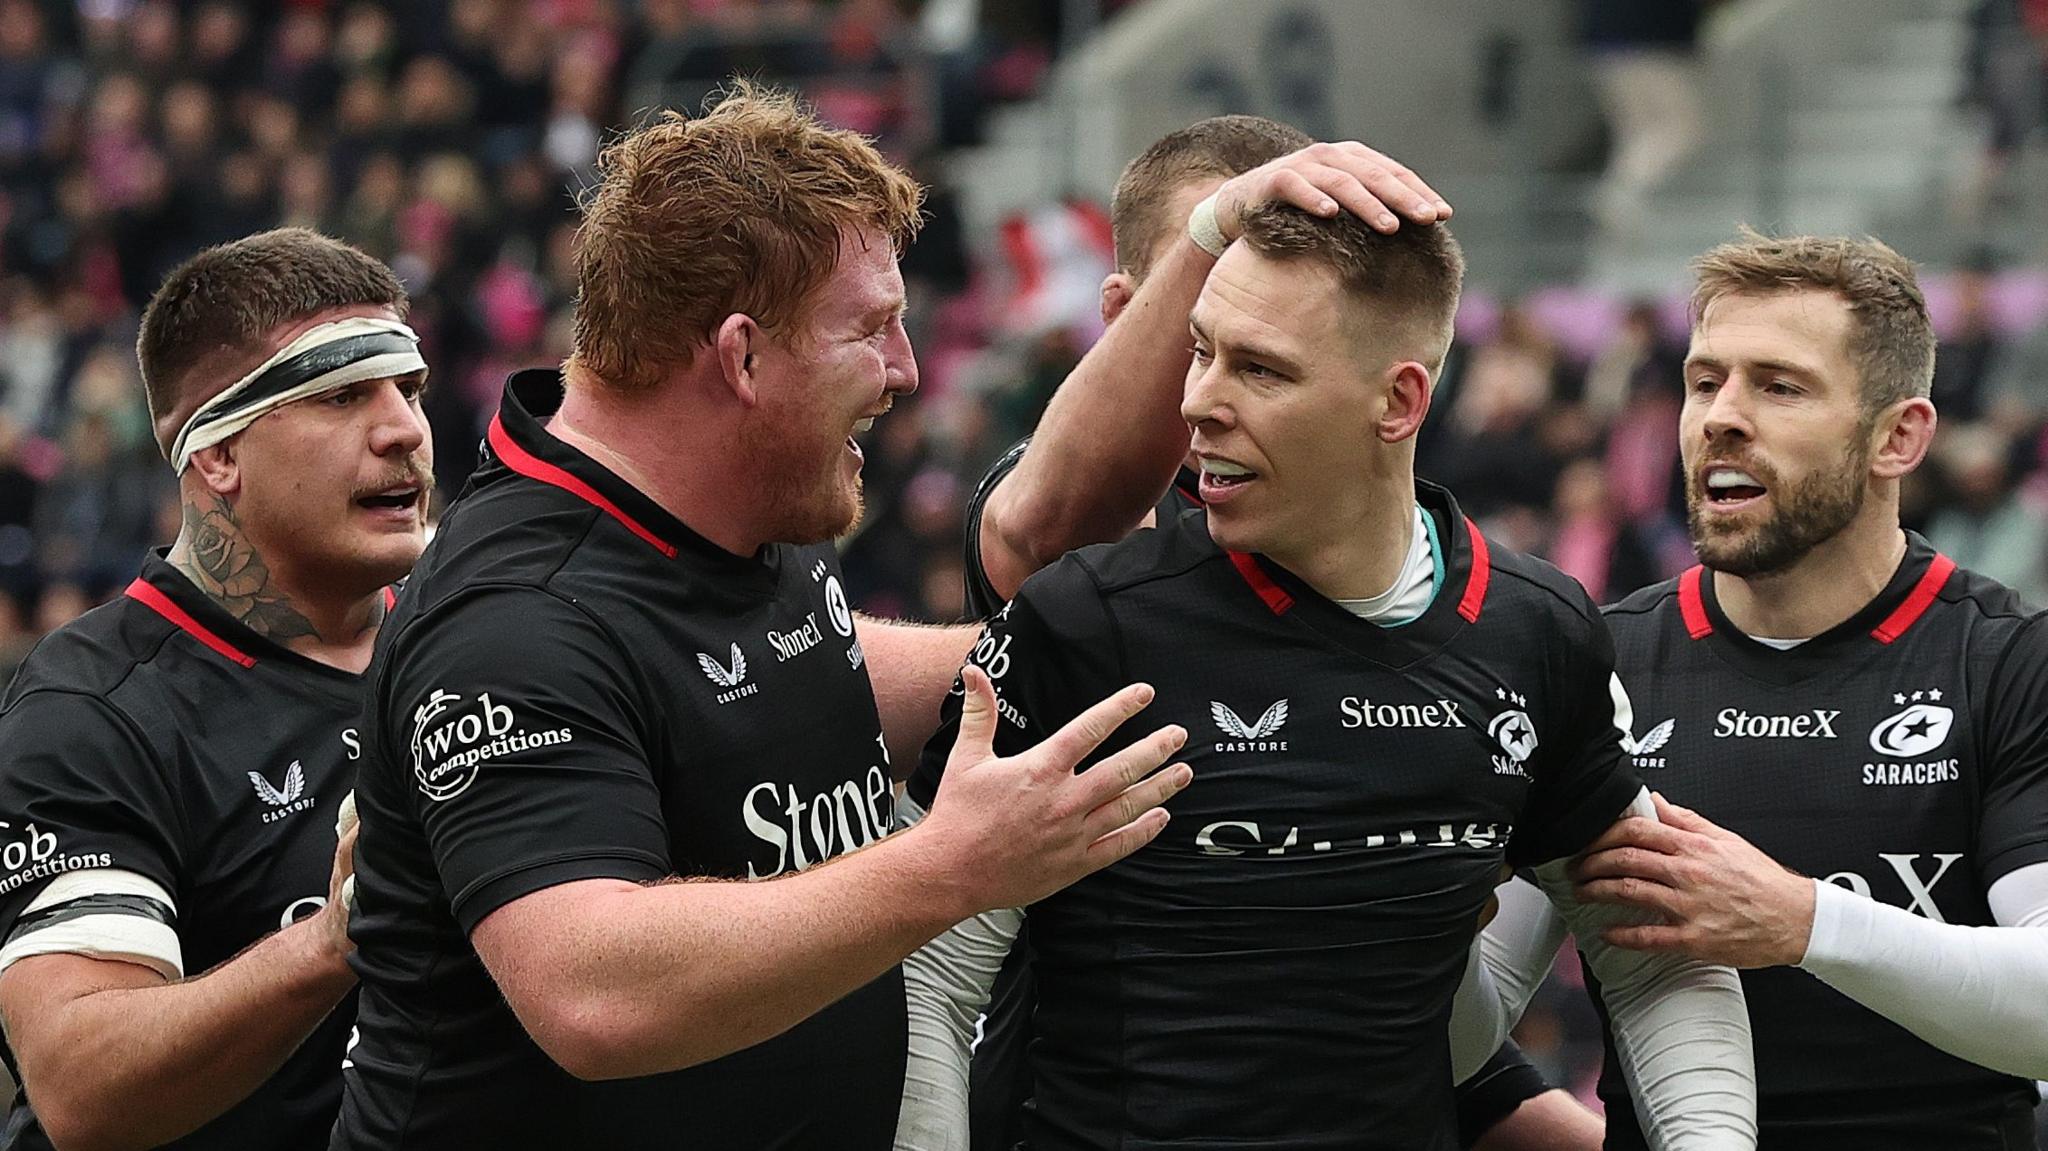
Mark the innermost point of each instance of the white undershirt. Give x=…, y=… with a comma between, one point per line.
x=1413, y=588
x=1780, y=644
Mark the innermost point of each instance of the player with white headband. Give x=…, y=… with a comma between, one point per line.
x=173, y=938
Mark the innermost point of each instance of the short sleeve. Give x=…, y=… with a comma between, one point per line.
x=1051, y=653
x=90, y=833
x=1584, y=781
x=2012, y=823
x=982, y=598
x=515, y=716
x=1494, y=1092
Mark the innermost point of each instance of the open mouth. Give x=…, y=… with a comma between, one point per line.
x=1223, y=478
x=1731, y=487
x=862, y=427
x=394, y=499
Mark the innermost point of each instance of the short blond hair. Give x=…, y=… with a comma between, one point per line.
x=1891, y=338
x=739, y=210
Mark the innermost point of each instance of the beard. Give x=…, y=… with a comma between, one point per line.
x=805, y=495
x=1807, y=514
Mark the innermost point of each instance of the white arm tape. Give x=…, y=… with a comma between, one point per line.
x=946, y=985
x=1978, y=993
x=1681, y=1027
x=118, y=935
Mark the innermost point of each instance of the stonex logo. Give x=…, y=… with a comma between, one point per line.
x=790, y=644
x=1365, y=713
x=1734, y=723
x=1249, y=837
x=808, y=829
x=451, y=741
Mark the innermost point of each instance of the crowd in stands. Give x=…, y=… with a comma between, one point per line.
x=447, y=137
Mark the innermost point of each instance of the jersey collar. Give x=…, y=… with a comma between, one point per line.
x=519, y=442
x=165, y=591
x=1888, y=616
x=1459, y=602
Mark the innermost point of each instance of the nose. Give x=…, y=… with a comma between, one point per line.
x=1727, y=411
x=1203, y=401
x=398, y=427
x=899, y=361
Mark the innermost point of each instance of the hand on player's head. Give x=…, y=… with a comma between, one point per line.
x=1027, y=825
x=1327, y=178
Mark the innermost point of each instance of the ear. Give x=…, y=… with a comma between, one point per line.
x=217, y=469
x=1117, y=290
x=1408, y=390
x=738, y=347
x=1901, y=437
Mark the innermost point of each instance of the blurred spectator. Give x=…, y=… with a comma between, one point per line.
x=1643, y=54
x=1963, y=365
x=1989, y=526
x=1593, y=544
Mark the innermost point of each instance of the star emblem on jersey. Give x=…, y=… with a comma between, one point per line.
x=1922, y=726
x=1249, y=736
x=1515, y=732
x=286, y=799
x=732, y=676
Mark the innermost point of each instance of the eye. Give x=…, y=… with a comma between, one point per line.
x=1258, y=371
x=1201, y=354
x=1781, y=387
x=1704, y=385
x=341, y=398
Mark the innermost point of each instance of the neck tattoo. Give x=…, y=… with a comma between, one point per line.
x=222, y=562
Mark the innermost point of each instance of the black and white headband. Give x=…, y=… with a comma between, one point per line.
x=326, y=357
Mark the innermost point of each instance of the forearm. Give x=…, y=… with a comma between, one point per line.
x=1681, y=1030
x=946, y=987
x=1978, y=993
x=669, y=976
x=1110, y=439
x=1507, y=965
x=912, y=667
x=192, y=1049
x=1552, y=1121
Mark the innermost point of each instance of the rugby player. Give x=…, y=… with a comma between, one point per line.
x=1851, y=731
x=171, y=764
x=626, y=671
x=1393, y=711
x=1086, y=475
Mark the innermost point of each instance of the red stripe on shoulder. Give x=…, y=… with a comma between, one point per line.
x=1482, y=574
x=1692, y=606
x=147, y=594
x=1917, y=602
x=533, y=467
x=1277, y=598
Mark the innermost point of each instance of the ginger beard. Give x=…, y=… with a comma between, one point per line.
x=1794, y=518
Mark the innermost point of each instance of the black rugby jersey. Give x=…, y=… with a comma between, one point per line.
x=1277, y=968
x=159, y=735
x=999, y=1086
x=577, y=686
x=1904, y=755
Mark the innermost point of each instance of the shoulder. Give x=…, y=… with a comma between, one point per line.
x=1524, y=583
x=506, y=626
x=1170, y=551
x=96, y=653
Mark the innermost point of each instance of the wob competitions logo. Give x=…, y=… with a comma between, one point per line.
x=451, y=740
x=29, y=853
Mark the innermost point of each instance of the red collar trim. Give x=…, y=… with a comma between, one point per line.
x=1277, y=598
x=1916, y=604
x=532, y=467
x=390, y=598
x=150, y=596
x=1482, y=574
x=1692, y=606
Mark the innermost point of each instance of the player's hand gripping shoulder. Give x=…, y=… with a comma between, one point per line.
x=1021, y=827
x=1719, y=899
